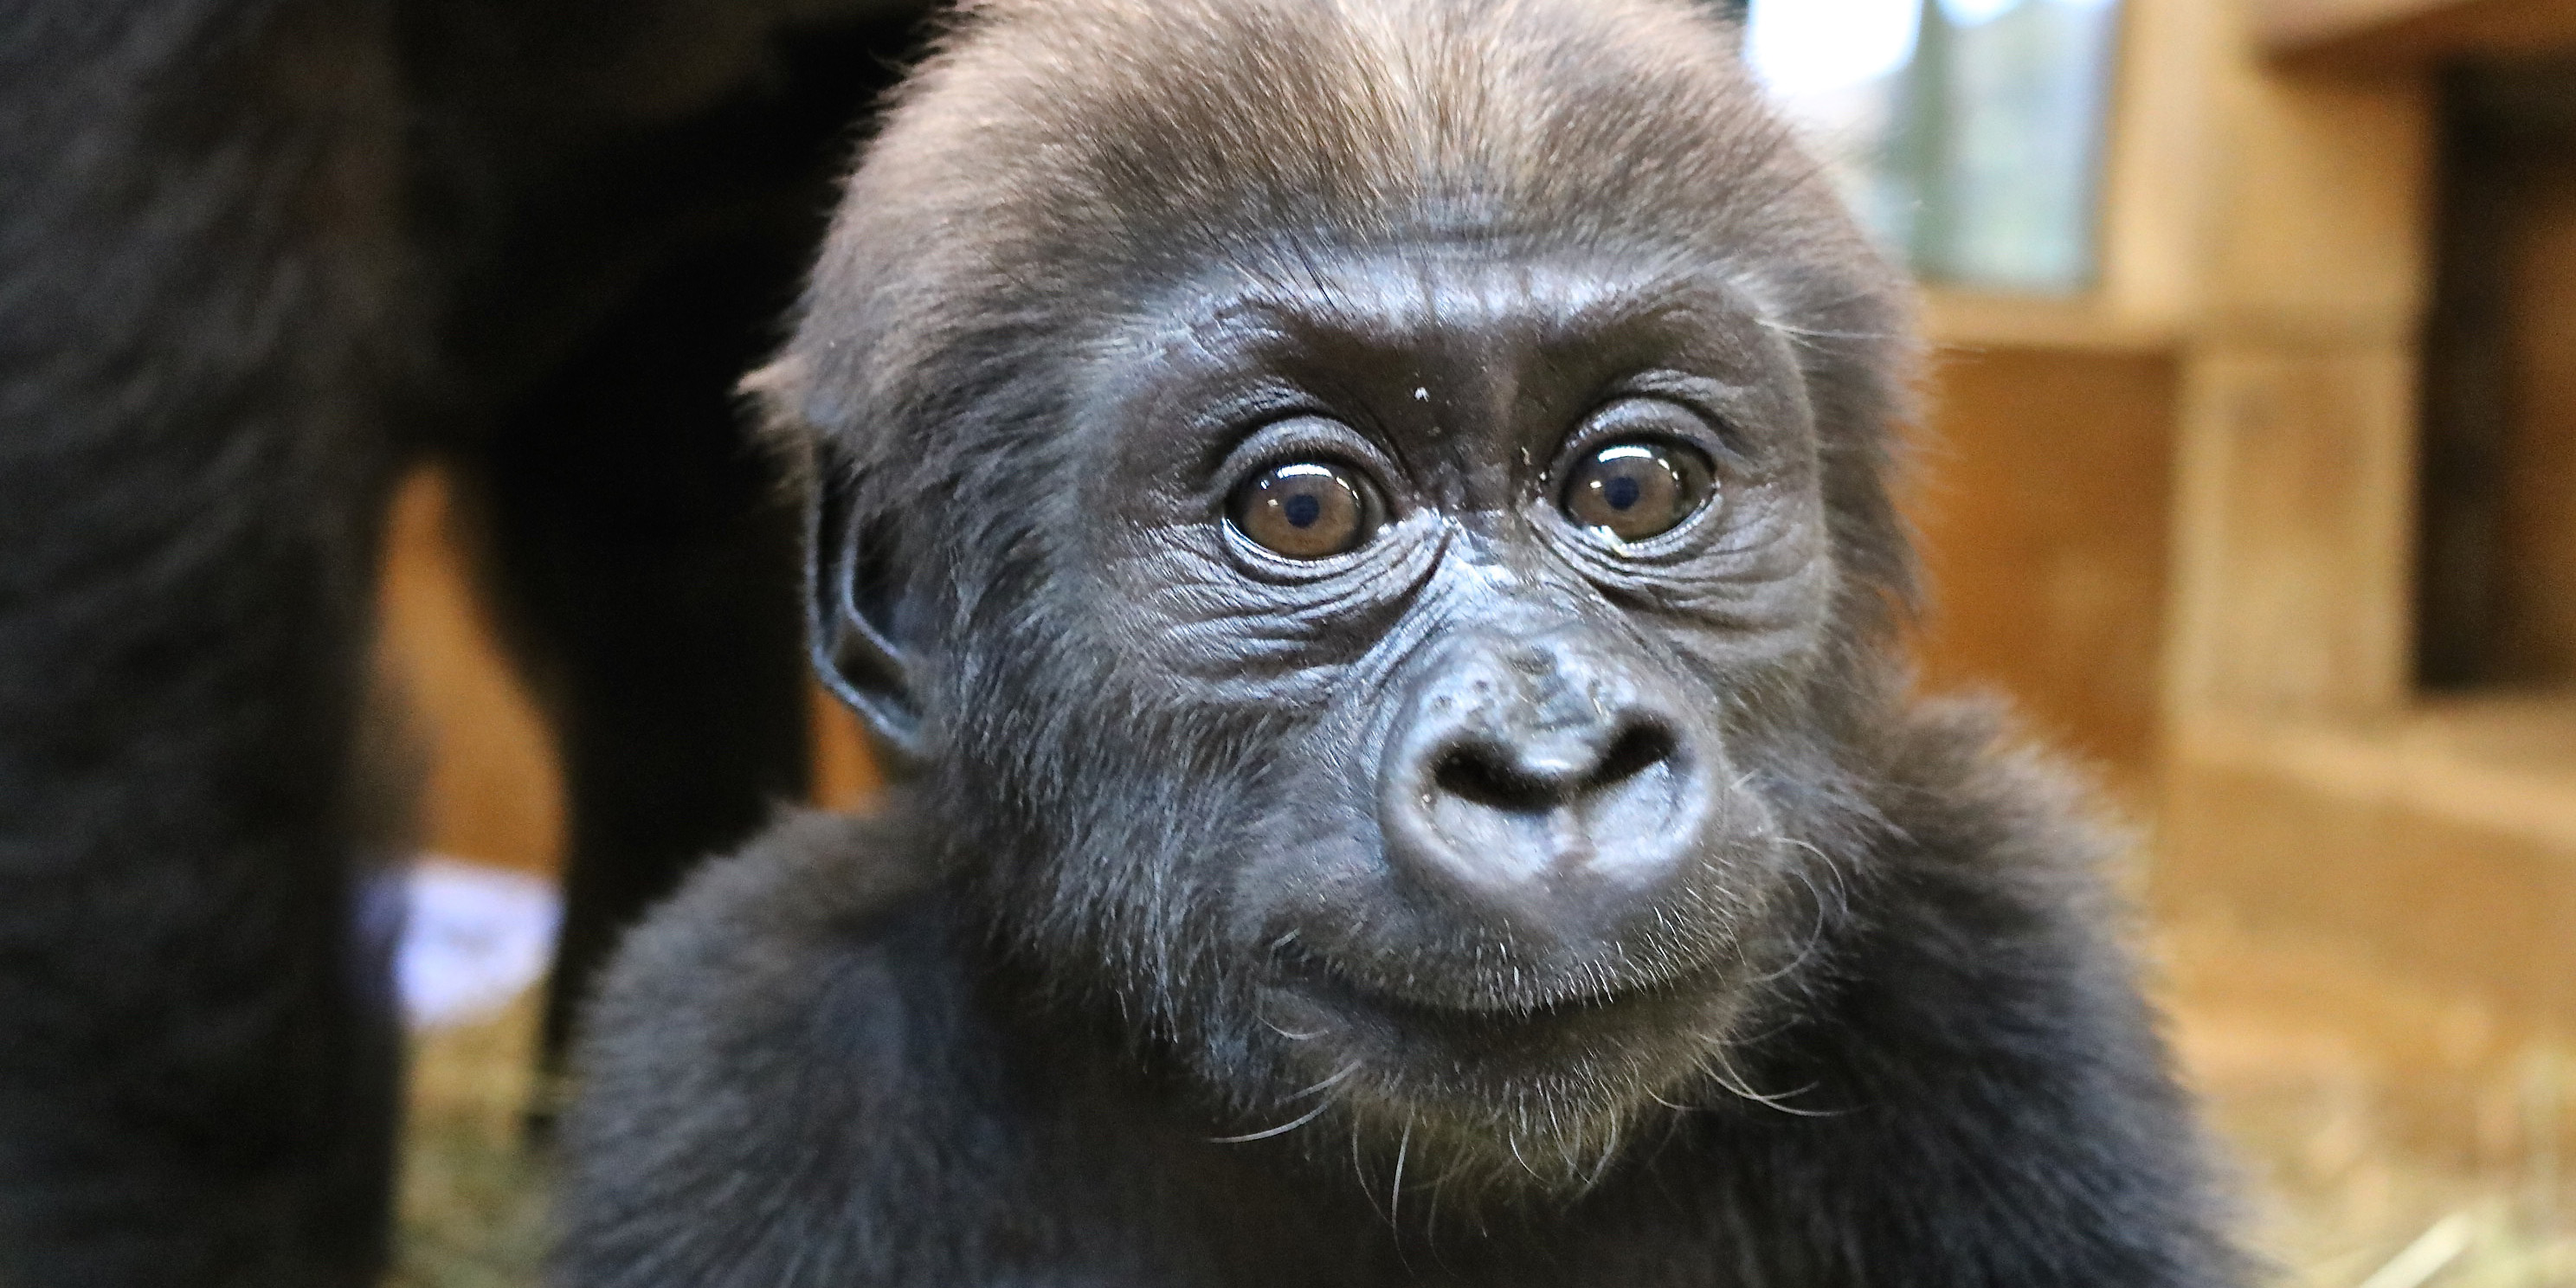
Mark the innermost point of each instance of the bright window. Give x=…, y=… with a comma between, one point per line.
x=1968, y=133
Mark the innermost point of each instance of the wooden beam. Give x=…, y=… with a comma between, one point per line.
x=2365, y=35
x=2442, y=840
x=1974, y=322
x=2289, y=25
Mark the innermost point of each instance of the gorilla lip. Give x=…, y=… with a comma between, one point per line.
x=1321, y=980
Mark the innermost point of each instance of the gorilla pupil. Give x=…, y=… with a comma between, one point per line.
x=1303, y=510
x=1621, y=493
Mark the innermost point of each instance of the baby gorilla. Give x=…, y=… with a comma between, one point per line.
x=1367, y=518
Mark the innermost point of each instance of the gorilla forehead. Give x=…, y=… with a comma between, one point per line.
x=1115, y=146
x=1177, y=117
x=1385, y=117
x=1468, y=299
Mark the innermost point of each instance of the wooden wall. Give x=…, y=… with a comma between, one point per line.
x=492, y=791
x=2313, y=789
x=2040, y=492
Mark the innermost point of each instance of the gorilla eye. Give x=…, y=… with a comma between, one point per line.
x=1633, y=491
x=1306, y=510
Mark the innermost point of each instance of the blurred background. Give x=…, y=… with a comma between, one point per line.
x=2248, y=471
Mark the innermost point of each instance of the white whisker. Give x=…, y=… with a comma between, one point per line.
x=1280, y=1130
x=1293, y=1037
x=1329, y=1083
x=1395, y=1192
x=1735, y=1084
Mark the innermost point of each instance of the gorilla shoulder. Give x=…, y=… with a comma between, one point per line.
x=789, y=945
x=781, y=1007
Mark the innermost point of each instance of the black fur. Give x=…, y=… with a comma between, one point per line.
x=1487, y=904
x=256, y=256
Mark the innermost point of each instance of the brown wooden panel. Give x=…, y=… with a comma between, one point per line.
x=2040, y=494
x=2295, y=530
x=845, y=774
x=2300, y=24
x=493, y=792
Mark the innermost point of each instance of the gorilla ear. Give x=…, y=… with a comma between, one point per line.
x=853, y=592
x=854, y=614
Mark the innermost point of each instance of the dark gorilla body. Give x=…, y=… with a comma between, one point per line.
x=1369, y=517
x=255, y=257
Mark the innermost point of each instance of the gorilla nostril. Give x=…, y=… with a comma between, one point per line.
x=1527, y=782
x=1639, y=748
x=1481, y=773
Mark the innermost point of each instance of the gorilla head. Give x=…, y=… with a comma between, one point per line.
x=1368, y=520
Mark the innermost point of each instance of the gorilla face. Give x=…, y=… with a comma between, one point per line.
x=1443, y=619
x=1388, y=649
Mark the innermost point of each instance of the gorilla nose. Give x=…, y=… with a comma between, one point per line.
x=1540, y=788
x=1553, y=769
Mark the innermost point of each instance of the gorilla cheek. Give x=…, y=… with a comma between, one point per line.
x=1314, y=852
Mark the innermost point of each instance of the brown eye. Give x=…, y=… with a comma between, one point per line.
x=1633, y=491
x=1308, y=510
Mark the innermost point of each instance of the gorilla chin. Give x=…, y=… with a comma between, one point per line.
x=1531, y=1100
x=1516, y=1071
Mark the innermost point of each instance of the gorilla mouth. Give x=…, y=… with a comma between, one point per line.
x=1510, y=1089
x=1582, y=1001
